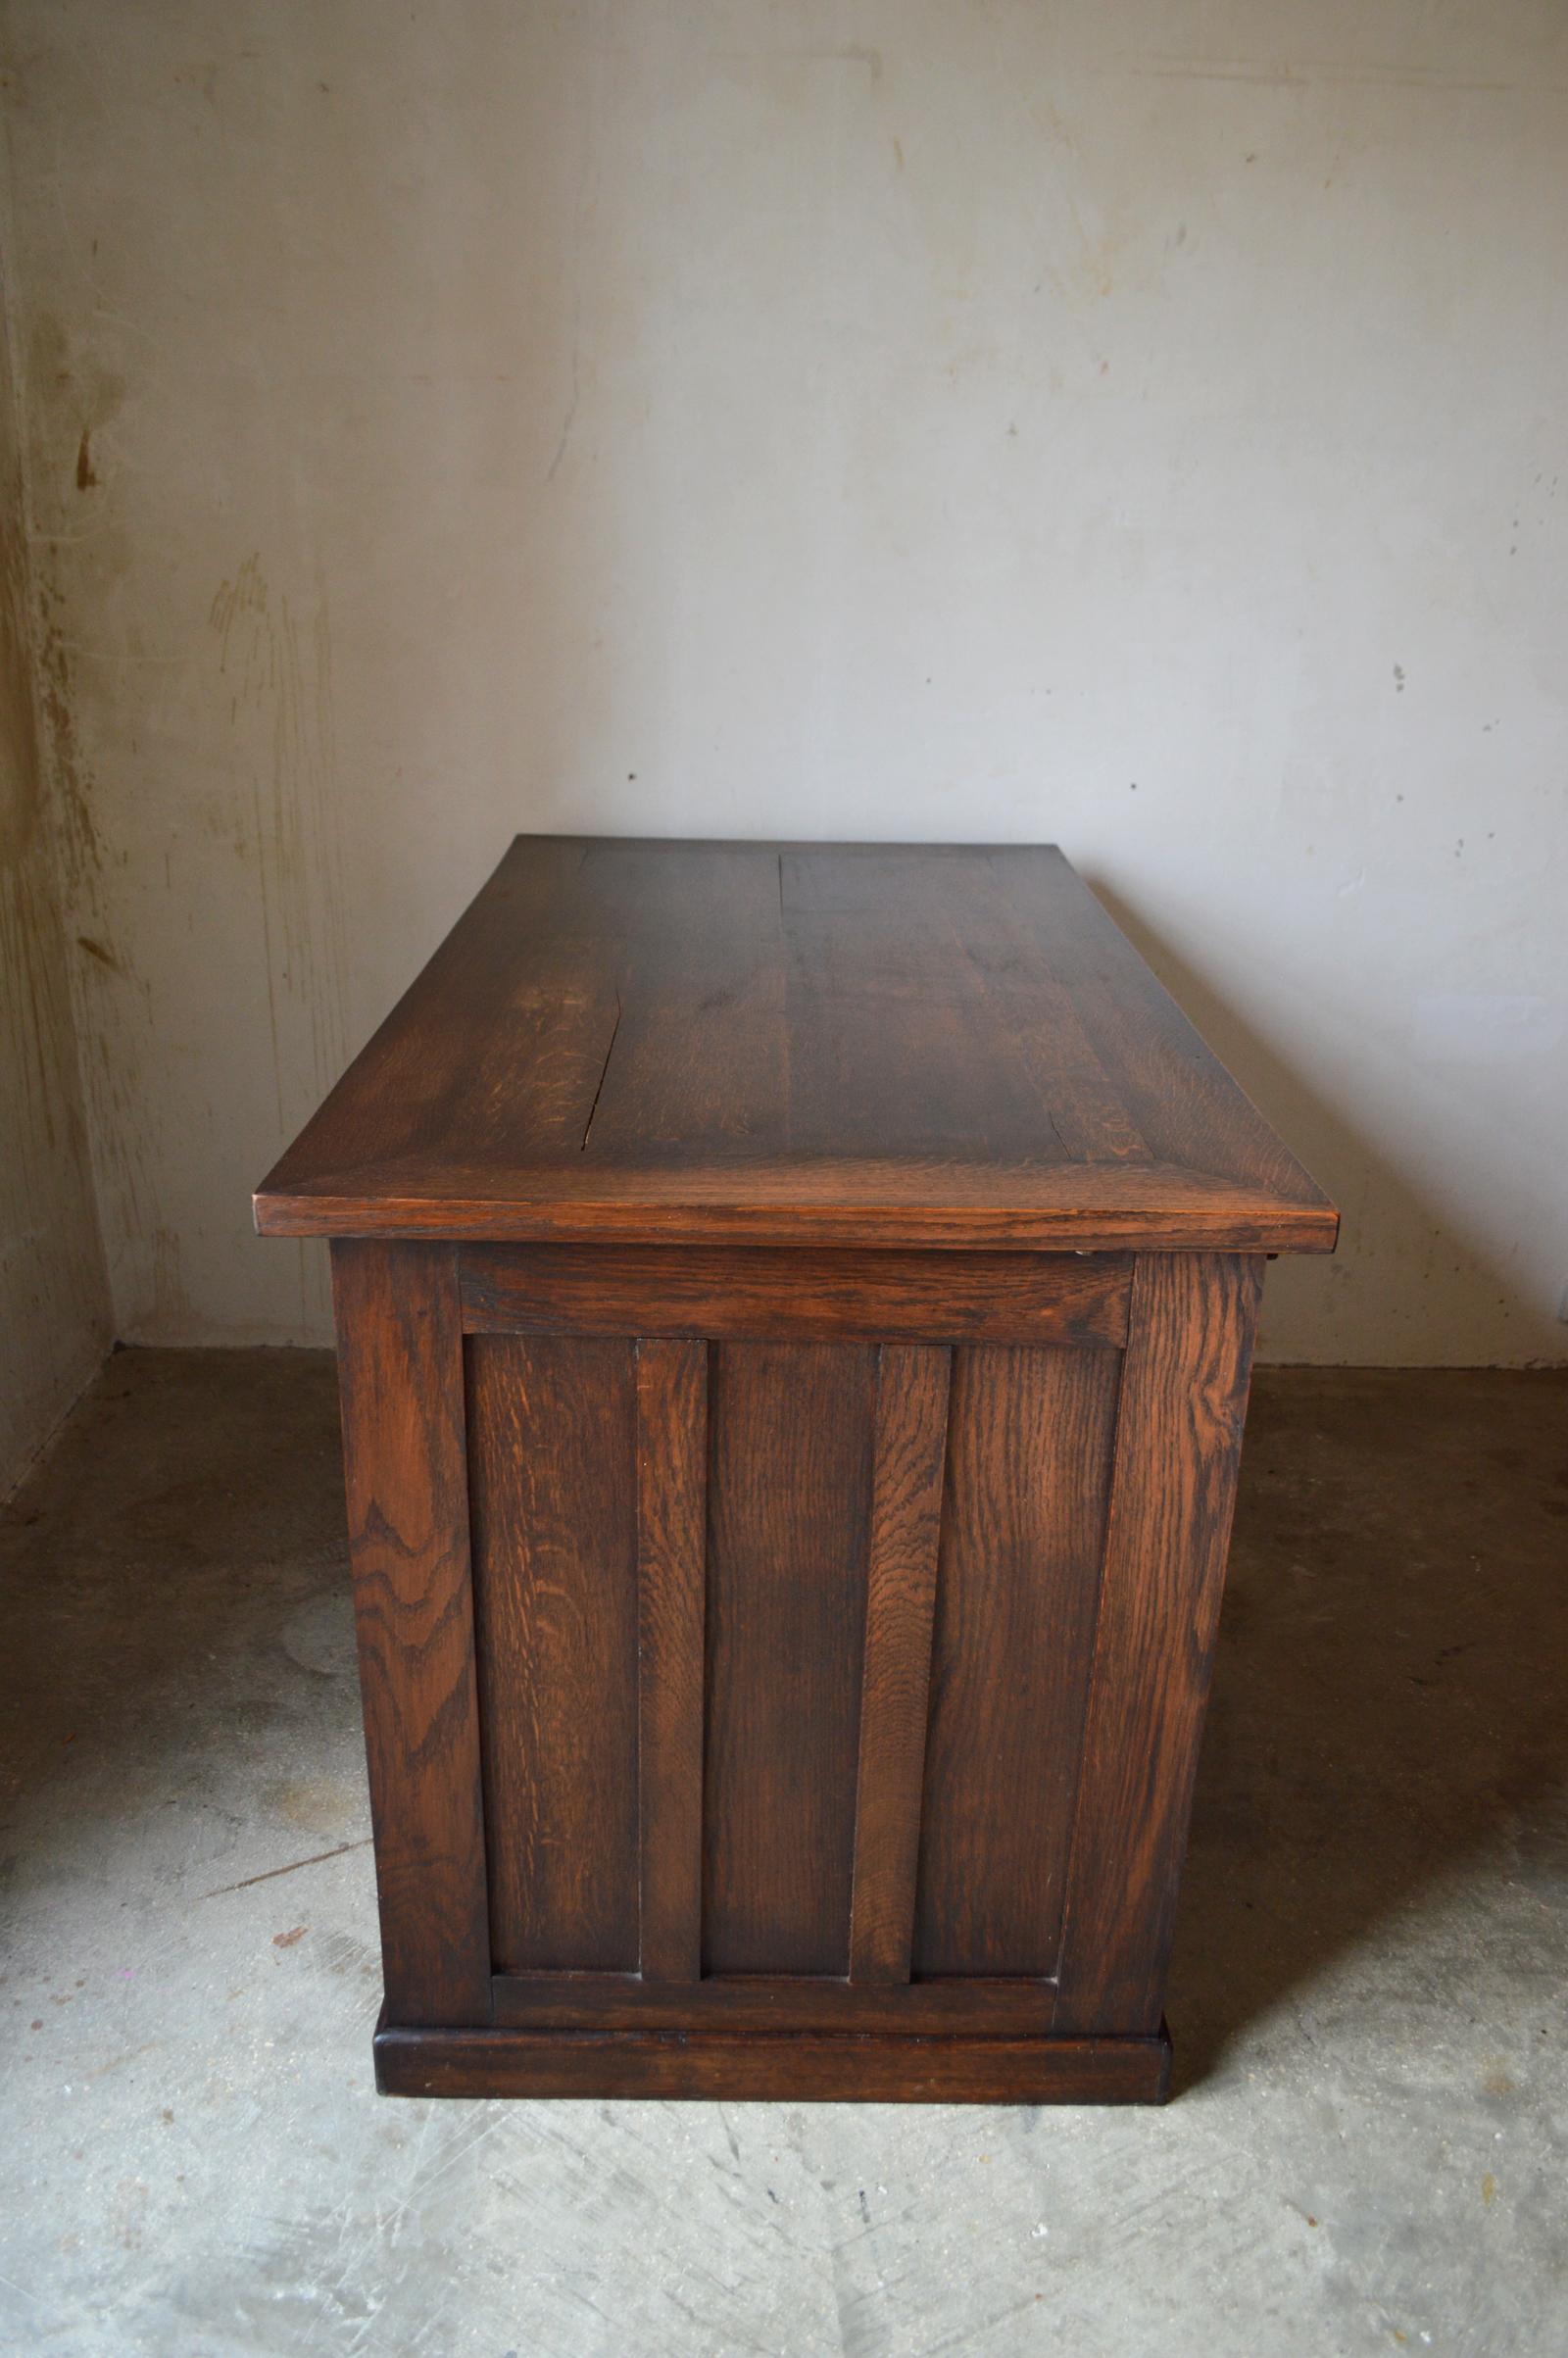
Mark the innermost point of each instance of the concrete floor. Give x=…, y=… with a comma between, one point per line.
x=1367, y=2148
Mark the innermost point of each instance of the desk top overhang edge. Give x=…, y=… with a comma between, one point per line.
x=874, y=1044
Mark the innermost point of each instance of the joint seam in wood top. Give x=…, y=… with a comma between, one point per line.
x=603, y=1074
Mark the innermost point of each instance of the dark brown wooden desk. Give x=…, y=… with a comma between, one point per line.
x=795, y=1305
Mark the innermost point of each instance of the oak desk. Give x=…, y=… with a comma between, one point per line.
x=795, y=1305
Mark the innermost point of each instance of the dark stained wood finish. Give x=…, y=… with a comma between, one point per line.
x=700, y=1064
x=795, y=1295
x=400, y=1359
x=788, y=2067
x=959, y=902
x=552, y=1453
x=909, y=1448
x=671, y=1545
x=789, y=1481
x=1021, y=1206
x=602, y=2001
x=882, y=1002
x=1174, y=1090
x=862, y=1045
x=1178, y=1445
x=795, y=1307
x=1028, y=1461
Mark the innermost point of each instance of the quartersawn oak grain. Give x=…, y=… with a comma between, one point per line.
x=1028, y=1461
x=909, y=1450
x=775, y=1043
x=790, y=1489
x=552, y=1421
x=795, y=1307
x=671, y=1515
x=399, y=1357
x=1173, y=1493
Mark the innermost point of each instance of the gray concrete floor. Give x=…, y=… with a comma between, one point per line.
x=1366, y=2151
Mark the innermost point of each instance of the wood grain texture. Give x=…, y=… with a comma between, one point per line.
x=795, y=1295
x=1177, y=1093
x=795, y=1307
x=400, y=1350
x=506, y=998
x=587, y=2001
x=881, y=1202
x=962, y=900
x=551, y=1437
x=1178, y=1446
x=700, y=1067
x=789, y=1493
x=879, y=1045
x=909, y=1450
x=671, y=1544
x=1029, y=1451
x=864, y=941
x=792, y=2066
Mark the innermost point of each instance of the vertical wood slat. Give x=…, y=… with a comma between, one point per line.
x=671, y=1548
x=553, y=1517
x=1173, y=1487
x=399, y=1371
x=1030, y=1441
x=909, y=1454
x=790, y=1467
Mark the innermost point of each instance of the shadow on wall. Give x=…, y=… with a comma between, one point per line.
x=1436, y=1276
x=1387, y=1750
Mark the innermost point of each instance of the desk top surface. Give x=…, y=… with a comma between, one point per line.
x=842, y=1044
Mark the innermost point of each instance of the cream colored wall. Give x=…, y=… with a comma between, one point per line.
x=55, y=1318
x=1140, y=426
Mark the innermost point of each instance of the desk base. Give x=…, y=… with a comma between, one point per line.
x=781, y=2067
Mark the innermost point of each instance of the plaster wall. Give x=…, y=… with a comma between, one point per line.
x=1140, y=427
x=54, y=1319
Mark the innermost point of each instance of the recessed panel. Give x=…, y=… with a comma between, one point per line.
x=553, y=1500
x=1028, y=1472
x=789, y=1496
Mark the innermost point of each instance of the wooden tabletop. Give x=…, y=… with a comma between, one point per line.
x=840, y=1044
